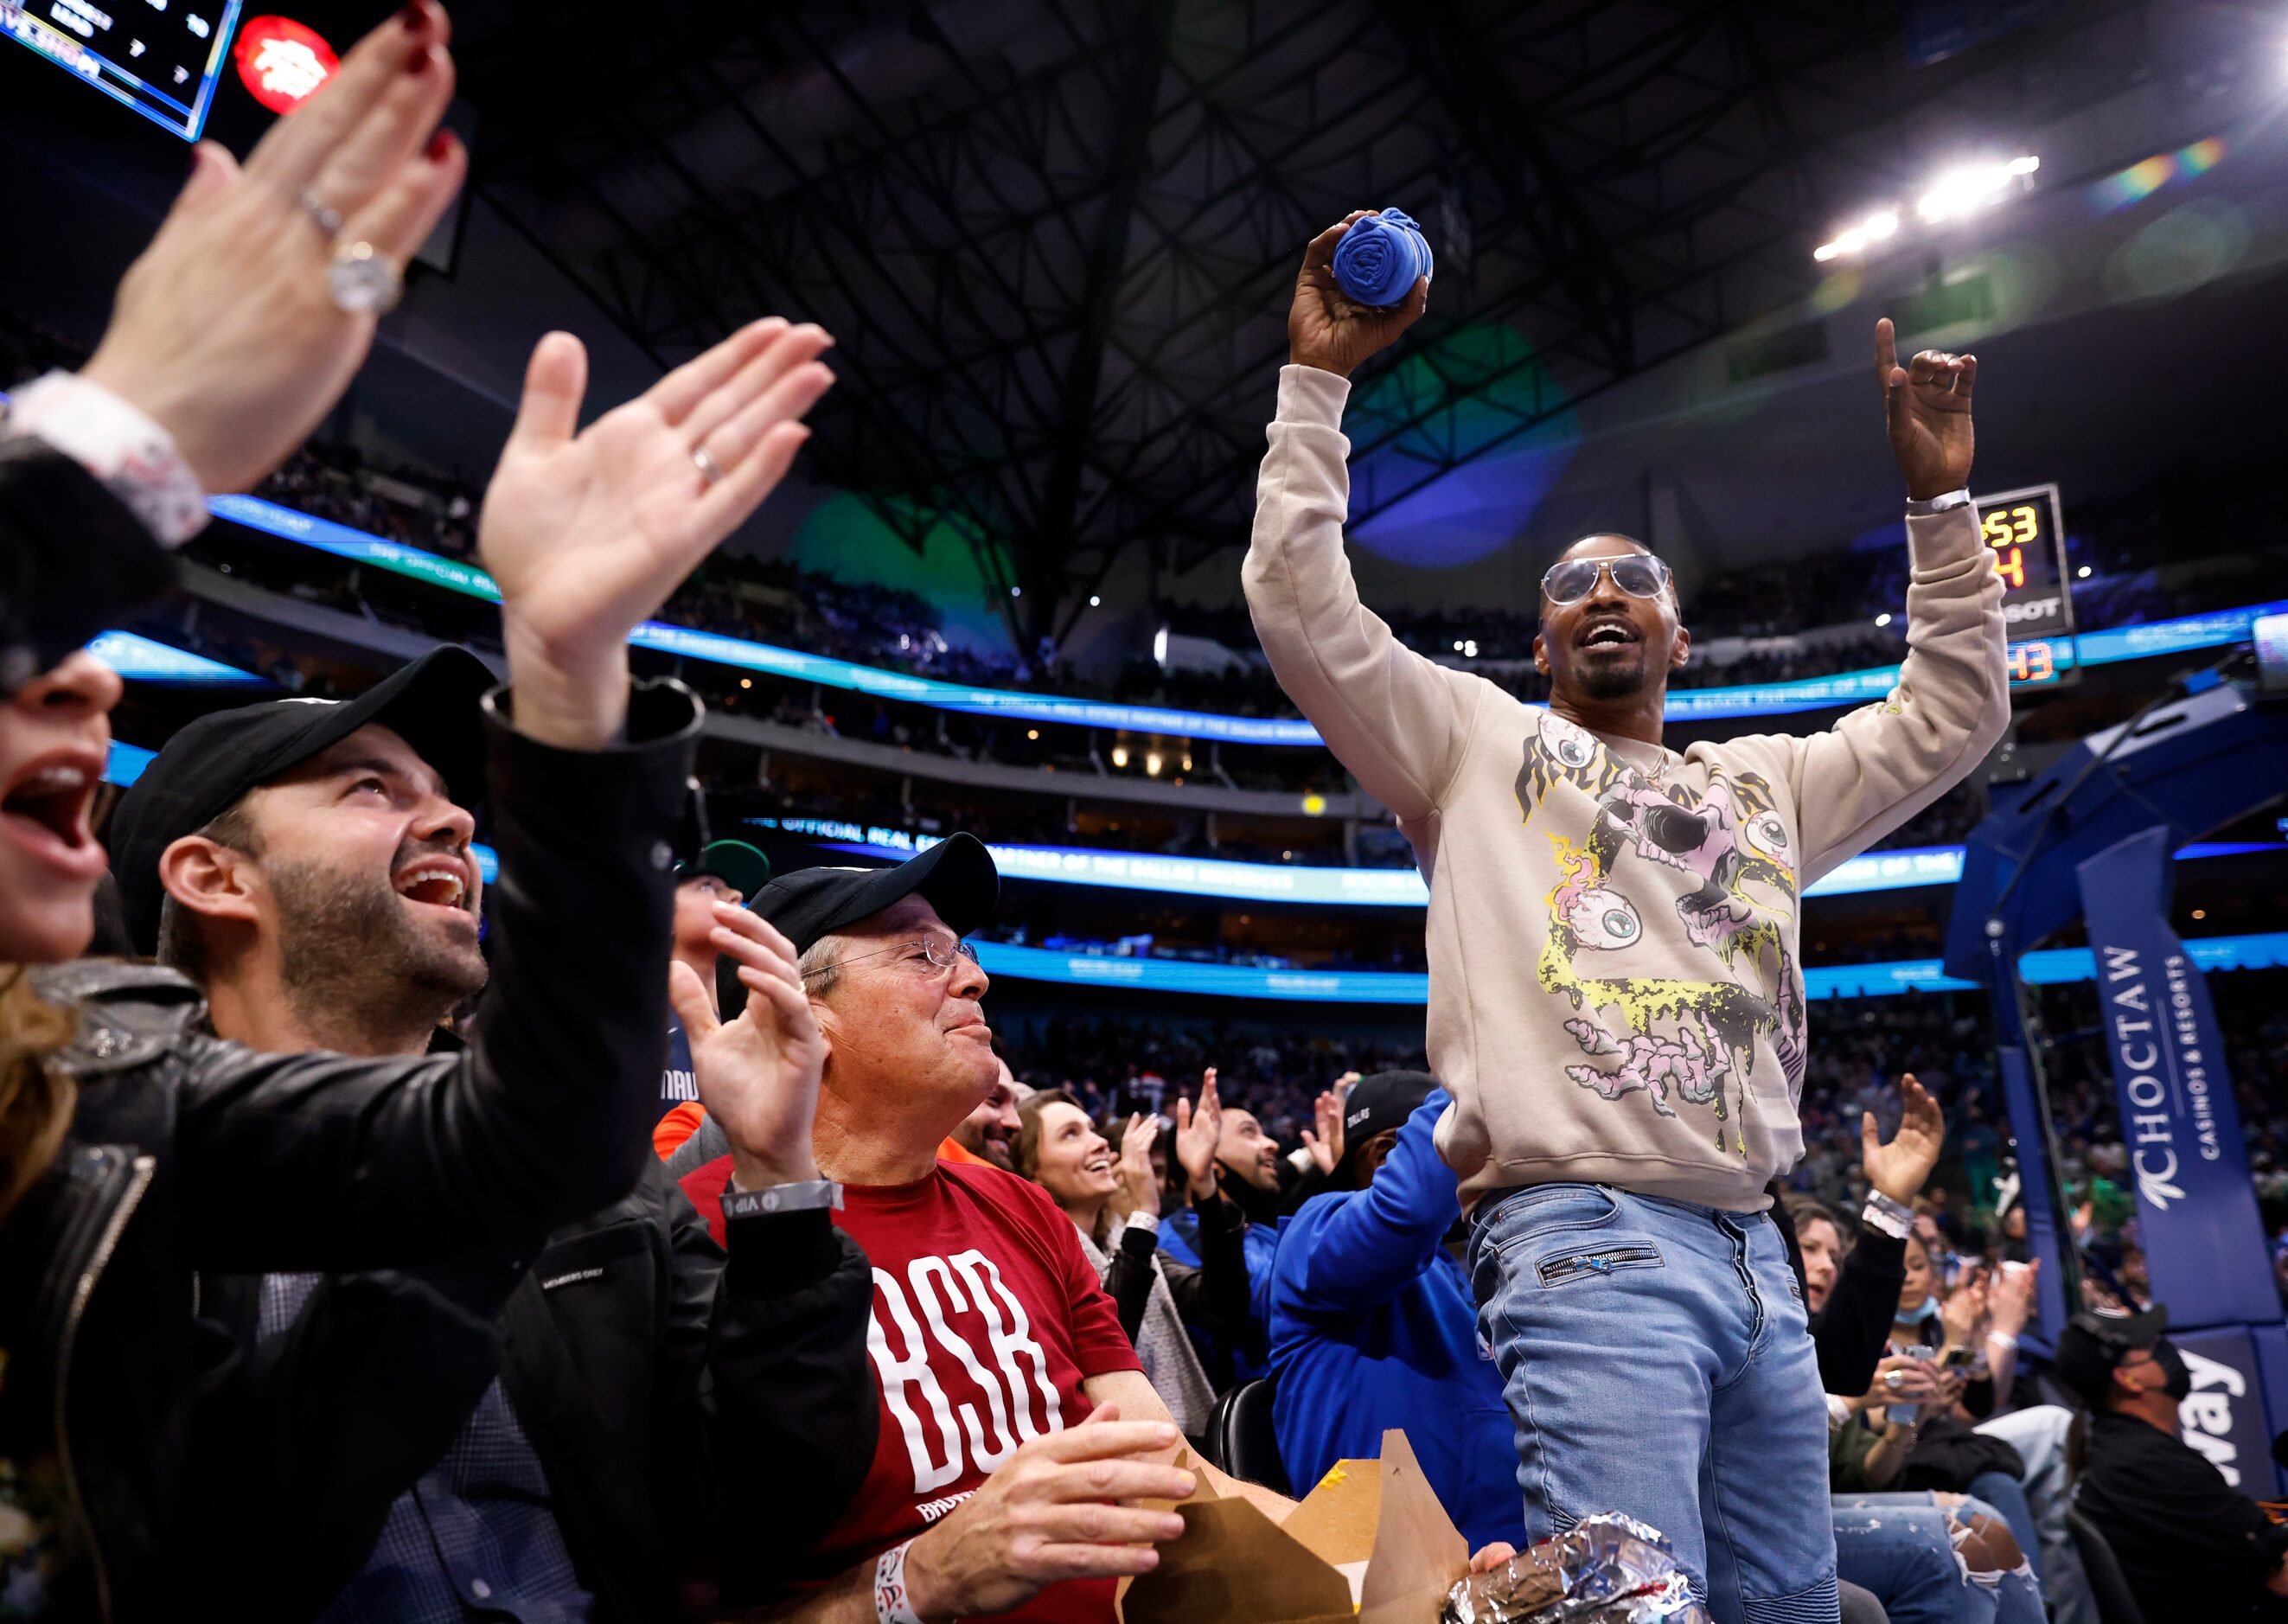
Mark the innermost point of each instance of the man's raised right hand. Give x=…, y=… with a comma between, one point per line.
x=1053, y=1512
x=1327, y=328
x=1900, y=1168
x=757, y=1074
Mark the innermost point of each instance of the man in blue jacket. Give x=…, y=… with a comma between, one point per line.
x=1373, y=1325
x=1247, y=1173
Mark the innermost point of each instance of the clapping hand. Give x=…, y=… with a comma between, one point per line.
x=1899, y=1168
x=1140, y=1189
x=1927, y=407
x=225, y=330
x=1198, y=1129
x=1328, y=329
x=758, y=1075
x=2010, y=1297
x=1326, y=1145
x=586, y=531
x=1964, y=1310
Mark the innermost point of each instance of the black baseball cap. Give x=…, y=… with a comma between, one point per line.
x=956, y=876
x=1384, y=1100
x=2091, y=1345
x=433, y=704
x=736, y=864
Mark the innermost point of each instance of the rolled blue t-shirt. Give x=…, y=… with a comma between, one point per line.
x=1380, y=258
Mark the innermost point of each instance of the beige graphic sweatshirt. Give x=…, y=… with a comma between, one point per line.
x=1616, y=990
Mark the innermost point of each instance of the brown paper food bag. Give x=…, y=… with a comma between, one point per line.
x=1370, y=1541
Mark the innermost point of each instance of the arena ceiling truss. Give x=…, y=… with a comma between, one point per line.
x=1055, y=239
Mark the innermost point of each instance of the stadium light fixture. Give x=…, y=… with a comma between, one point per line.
x=2081, y=574
x=1152, y=763
x=1883, y=618
x=1120, y=755
x=1953, y=194
x=1965, y=190
x=1856, y=239
x=1095, y=601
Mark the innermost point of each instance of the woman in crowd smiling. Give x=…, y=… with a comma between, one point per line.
x=1115, y=1203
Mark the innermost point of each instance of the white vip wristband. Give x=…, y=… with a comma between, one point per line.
x=132, y=456
x=892, y=1603
x=1892, y=1218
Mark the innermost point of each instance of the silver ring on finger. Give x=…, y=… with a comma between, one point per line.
x=710, y=471
x=362, y=281
x=328, y=220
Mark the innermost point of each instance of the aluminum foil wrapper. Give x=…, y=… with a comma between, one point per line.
x=1608, y=1569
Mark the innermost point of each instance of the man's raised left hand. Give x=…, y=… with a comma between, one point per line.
x=1926, y=407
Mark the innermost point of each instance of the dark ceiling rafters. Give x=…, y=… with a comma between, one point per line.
x=1055, y=239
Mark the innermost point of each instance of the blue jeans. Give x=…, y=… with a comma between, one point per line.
x=2008, y=1498
x=1655, y=1361
x=1900, y=1548
x=2040, y=1435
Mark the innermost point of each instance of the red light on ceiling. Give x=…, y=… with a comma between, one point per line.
x=281, y=62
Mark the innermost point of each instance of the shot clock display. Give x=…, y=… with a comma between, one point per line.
x=2026, y=531
x=2040, y=662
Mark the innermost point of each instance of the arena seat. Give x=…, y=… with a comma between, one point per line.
x=1241, y=1440
x=2115, y=1603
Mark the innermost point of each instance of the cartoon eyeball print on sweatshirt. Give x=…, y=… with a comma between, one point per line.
x=1723, y=860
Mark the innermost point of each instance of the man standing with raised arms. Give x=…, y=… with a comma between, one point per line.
x=1616, y=1001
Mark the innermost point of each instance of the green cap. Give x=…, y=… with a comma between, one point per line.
x=736, y=864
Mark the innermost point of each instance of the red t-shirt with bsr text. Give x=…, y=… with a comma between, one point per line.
x=987, y=1318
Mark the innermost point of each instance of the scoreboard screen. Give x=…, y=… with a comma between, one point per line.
x=159, y=57
x=2027, y=534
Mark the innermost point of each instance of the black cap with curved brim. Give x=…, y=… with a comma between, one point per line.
x=956, y=877
x=1381, y=1102
x=735, y=862
x=433, y=704
x=2093, y=1344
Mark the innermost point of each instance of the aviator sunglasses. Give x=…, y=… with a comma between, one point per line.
x=1637, y=574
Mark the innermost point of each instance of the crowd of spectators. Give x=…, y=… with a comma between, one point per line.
x=605, y=1305
x=1859, y=1050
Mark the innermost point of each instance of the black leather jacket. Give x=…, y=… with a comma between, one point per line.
x=72, y=558
x=696, y=1422
x=188, y=1153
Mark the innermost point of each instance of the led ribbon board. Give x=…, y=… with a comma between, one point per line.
x=2044, y=968
x=162, y=60
x=142, y=660
x=1850, y=687
x=1350, y=887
